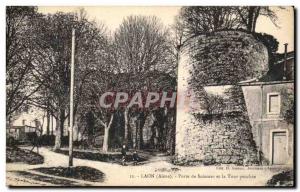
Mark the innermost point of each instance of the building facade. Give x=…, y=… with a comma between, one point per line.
x=267, y=100
x=273, y=135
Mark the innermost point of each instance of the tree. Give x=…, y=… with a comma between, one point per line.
x=200, y=20
x=138, y=54
x=249, y=14
x=142, y=46
x=272, y=46
x=197, y=20
x=52, y=62
x=19, y=54
x=97, y=84
x=178, y=39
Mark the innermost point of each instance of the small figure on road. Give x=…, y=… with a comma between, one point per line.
x=135, y=157
x=34, y=140
x=123, y=151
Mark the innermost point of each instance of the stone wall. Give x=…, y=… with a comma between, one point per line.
x=220, y=58
x=224, y=138
x=227, y=57
x=229, y=139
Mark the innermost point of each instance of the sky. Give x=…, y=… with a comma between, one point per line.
x=112, y=16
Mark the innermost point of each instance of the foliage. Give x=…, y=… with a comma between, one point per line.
x=249, y=15
x=78, y=172
x=142, y=45
x=216, y=60
x=11, y=141
x=271, y=43
x=19, y=54
x=140, y=56
x=112, y=157
x=52, y=61
x=14, y=154
x=284, y=178
x=289, y=105
x=198, y=20
x=211, y=103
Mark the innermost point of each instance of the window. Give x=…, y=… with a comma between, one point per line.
x=273, y=103
x=24, y=122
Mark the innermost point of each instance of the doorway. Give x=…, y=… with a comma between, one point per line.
x=279, y=149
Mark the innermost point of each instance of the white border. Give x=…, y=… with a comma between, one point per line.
x=117, y=2
x=153, y=2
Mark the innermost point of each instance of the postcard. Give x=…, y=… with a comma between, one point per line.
x=156, y=96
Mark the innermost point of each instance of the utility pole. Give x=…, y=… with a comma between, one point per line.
x=71, y=101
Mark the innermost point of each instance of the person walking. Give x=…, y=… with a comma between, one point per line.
x=135, y=157
x=123, y=151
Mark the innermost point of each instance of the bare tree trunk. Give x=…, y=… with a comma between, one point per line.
x=255, y=19
x=165, y=128
x=130, y=136
x=59, y=129
x=250, y=19
x=156, y=137
x=57, y=135
x=152, y=126
x=126, y=126
x=136, y=134
x=61, y=123
x=48, y=123
x=52, y=125
x=142, y=119
x=140, y=133
x=105, y=140
x=75, y=129
x=106, y=134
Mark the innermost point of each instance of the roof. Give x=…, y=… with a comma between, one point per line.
x=264, y=83
x=276, y=72
x=19, y=127
x=279, y=57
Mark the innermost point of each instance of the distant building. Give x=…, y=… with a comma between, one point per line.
x=31, y=120
x=20, y=133
x=34, y=119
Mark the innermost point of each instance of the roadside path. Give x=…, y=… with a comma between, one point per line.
x=157, y=171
